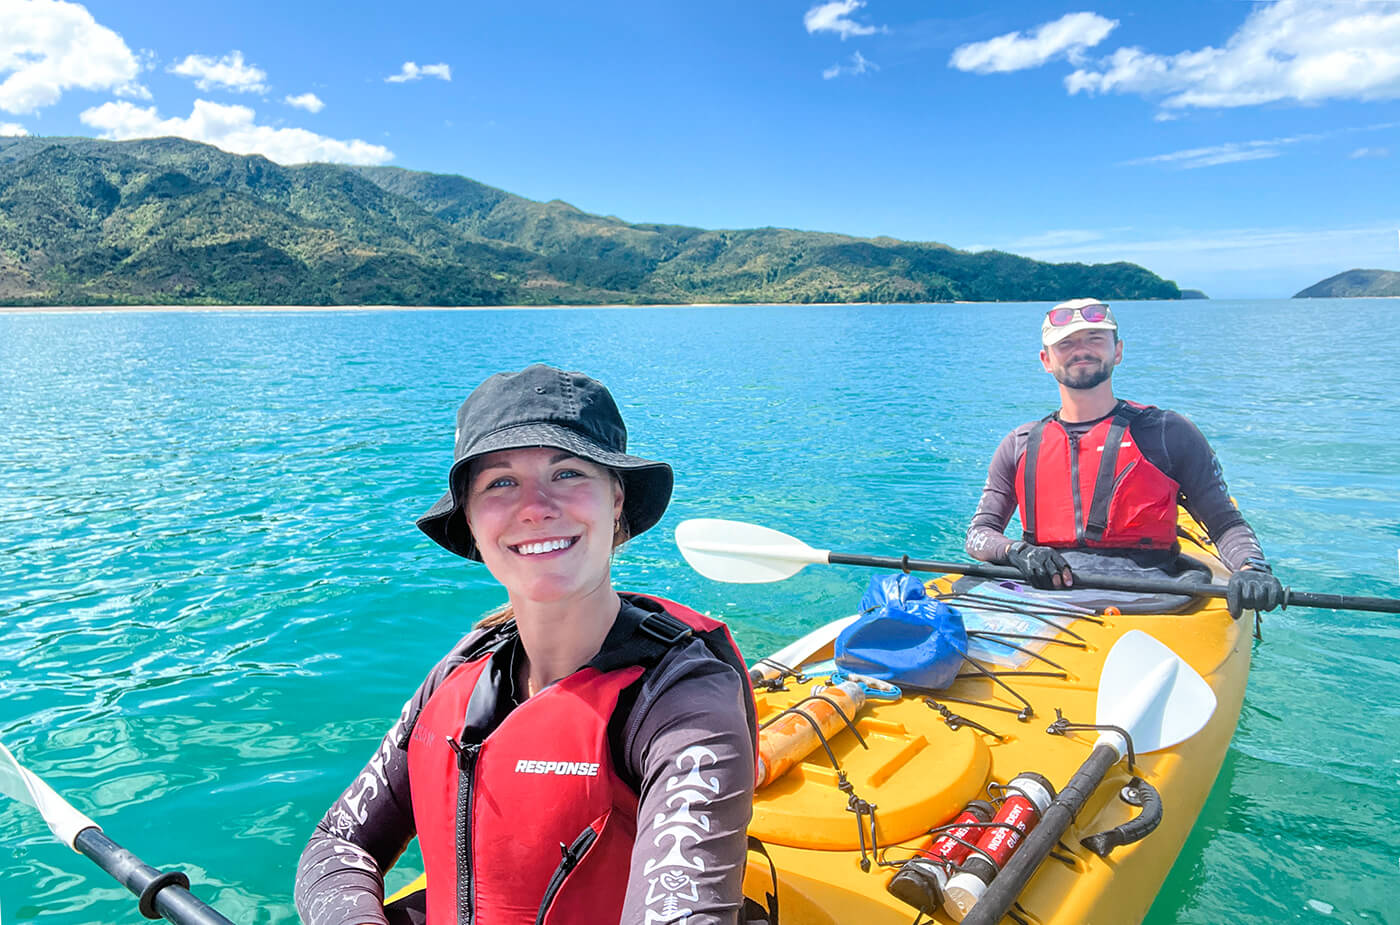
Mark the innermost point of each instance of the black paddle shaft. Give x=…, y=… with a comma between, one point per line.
x=161, y=893
x=1114, y=583
x=1012, y=879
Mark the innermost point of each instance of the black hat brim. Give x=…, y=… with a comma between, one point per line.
x=646, y=483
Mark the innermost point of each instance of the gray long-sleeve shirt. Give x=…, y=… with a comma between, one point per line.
x=1169, y=441
x=689, y=715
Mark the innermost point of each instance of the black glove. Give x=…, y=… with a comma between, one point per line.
x=1253, y=588
x=1042, y=566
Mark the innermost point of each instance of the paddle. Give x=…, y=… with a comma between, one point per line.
x=734, y=551
x=159, y=894
x=1147, y=690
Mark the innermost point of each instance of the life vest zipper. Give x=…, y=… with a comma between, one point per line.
x=1118, y=480
x=572, y=855
x=466, y=767
x=1074, y=488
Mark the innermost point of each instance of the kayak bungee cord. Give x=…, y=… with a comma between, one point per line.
x=1002, y=605
x=997, y=635
x=1006, y=607
x=956, y=722
x=978, y=634
x=1025, y=714
x=760, y=679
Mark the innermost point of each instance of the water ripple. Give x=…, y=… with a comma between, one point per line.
x=215, y=601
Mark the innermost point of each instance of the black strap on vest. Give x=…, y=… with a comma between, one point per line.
x=487, y=643
x=644, y=640
x=1028, y=488
x=1097, y=524
x=771, y=899
x=641, y=640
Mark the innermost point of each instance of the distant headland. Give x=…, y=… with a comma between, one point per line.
x=166, y=221
x=1355, y=284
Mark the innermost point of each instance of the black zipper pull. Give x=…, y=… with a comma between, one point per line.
x=466, y=754
x=572, y=855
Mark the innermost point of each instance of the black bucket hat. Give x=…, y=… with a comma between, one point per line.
x=544, y=406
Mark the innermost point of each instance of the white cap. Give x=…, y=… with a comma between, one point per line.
x=1054, y=333
x=961, y=894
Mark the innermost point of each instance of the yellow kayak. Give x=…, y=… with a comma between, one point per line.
x=931, y=754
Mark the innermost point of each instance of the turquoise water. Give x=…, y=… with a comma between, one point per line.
x=214, y=600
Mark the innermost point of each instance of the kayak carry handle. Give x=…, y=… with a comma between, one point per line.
x=1137, y=792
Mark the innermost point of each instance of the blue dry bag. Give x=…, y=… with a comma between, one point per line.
x=903, y=636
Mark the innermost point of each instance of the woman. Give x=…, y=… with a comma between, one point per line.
x=614, y=730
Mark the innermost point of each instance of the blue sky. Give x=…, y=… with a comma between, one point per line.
x=1247, y=149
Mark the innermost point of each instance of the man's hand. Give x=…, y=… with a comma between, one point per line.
x=1042, y=566
x=1253, y=588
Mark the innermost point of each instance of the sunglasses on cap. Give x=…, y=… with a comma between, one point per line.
x=1059, y=317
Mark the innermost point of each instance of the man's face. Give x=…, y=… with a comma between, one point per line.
x=1083, y=360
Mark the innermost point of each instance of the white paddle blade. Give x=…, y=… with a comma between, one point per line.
x=741, y=553
x=1148, y=690
x=18, y=783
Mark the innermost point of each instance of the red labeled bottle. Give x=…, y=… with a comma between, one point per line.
x=921, y=879
x=1027, y=797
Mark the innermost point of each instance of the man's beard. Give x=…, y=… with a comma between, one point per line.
x=1083, y=377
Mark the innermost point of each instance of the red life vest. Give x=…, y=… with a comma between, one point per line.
x=1097, y=491
x=524, y=785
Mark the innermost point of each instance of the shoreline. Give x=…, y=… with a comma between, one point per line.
x=100, y=309
x=91, y=309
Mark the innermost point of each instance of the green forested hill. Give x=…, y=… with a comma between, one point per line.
x=1354, y=284
x=168, y=221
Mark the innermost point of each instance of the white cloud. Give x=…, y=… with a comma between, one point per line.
x=227, y=73
x=836, y=17
x=308, y=101
x=12, y=128
x=1303, y=51
x=1371, y=152
x=48, y=47
x=1235, y=151
x=1062, y=237
x=412, y=71
x=1229, y=153
x=233, y=129
x=859, y=65
x=1069, y=36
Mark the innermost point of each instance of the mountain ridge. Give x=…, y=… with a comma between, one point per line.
x=169, y=221
x=1354, y=284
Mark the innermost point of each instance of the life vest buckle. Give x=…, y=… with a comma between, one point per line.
x=664, y=628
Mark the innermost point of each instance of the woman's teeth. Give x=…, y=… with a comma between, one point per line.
x=534, y=549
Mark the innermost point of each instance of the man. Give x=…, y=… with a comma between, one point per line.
x=1098, y=481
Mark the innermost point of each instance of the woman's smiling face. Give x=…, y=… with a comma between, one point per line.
x=544, y=521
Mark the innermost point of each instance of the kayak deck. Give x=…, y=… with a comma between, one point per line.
x=923, y=766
